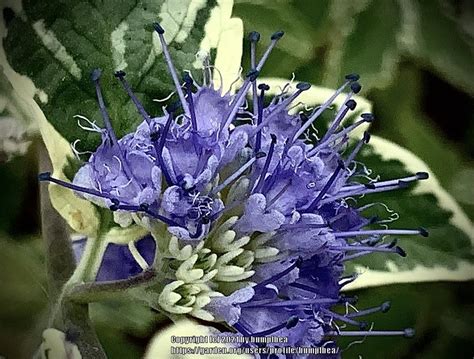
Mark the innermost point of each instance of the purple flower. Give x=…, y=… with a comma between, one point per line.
x=250, y=220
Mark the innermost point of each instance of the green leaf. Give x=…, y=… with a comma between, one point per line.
x=447, y=254
x=301, y=22
x=60, y=48
x=24, y=297
x=440, y=313
x=409, y=127
x=437, y=40
x=367, y=52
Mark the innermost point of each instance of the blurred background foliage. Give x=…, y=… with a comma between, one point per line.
x=415, y=58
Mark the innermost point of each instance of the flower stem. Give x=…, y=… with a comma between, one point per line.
x=65, y=315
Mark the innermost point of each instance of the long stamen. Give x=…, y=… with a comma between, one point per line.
x=278, y=195
x=369, y=189
x=95, y=76
x=326, y=187
x=394, y=182
x=384, y=308
x=189, y=97
x=237, y=173
x=258, y=136
x=365, y=139
x=289, y=303
x=254, y=37
x=121, y=76
x=421, y=231
x=396, y=249
x=361, y=325
x=46, y=177
x=301, y=87
x=350, y=78
x=251, y=77
x=143, y=208
x=239, y=98
x=160, y=31
x=407, y=333
x=341, y=114
x=274, y=39
x=272, y=279
x=310, y=289
x=365, y=118
x=159, y=149
x=266, y=166
x=288, y=324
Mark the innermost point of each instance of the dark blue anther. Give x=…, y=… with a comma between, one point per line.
x=158, y=28
x=45, y=176
x=277, y=35
x=254, y=36
x=351, y=104
x=303, y=86
x=368, y=117
x=423, y=232
x=422, y=175
x=352, y=77
x=356, y=87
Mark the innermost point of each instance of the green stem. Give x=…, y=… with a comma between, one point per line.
x=65, y=316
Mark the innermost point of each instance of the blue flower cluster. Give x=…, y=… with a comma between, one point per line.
x=248, y=218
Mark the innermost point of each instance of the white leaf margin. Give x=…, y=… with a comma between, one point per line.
x=464, y=270
x=161, y=344
x=391, y=151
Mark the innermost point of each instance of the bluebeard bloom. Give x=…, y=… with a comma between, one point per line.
x=249, y=223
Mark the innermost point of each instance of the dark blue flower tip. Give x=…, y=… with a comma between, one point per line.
x=356, y=87
x=351, y=104
x=393, y=243
x=252, y=75
x=352, y=77
x=119, y=74
x=366, y=137
x=187, y=78
x=385, y=307
x=422, y=175
x=263, y=87
x=409, y=333
x=144, y=207
x=115, y=201
x=400, y=251
x=158, y=28
x=299, y=262
x=369, y=185
x=114, y=207
x=277, y=35
x=260, y=154
x=154, y=136
x=45, y=176
x=367, y=117
x=273, y=137
x=303, y=86
x=363, y=325
x=292, y=322
x=254, y=36
x=423, y=232
x=95, y=74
